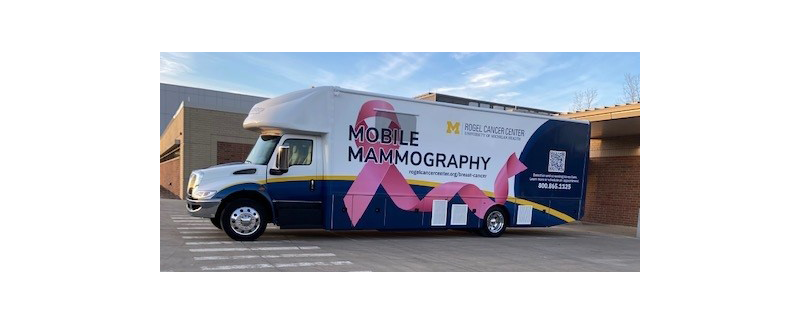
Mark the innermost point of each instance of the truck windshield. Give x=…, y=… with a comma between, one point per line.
x=262, y=151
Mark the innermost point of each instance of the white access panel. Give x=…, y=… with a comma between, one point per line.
x=439, y=214
x=524, y=213
x=458, y=215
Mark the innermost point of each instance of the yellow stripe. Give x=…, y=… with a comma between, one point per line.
x=545, y=209
x=338, y=178
x=537, y=206
x=290, y=179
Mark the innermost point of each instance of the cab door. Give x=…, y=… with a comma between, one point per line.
x=296, y=193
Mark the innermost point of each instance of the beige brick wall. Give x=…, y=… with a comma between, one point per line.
x=203, y=129
x=612, y=193
x=174, y=131
x=614, y=147
x=171, y=177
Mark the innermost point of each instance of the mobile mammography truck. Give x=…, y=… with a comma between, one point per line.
x=338, y=159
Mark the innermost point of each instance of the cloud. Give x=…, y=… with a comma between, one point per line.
x=398, y=67
x=171, y=64
x=324, y=77
x=501, y=76
x=392, y=67
x=505, y=96
x=288, y=67
x=482, y=78
x=461, y=56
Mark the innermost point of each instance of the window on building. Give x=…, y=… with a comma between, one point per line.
x=299, y=151
x=484, y=105
x=474, y=104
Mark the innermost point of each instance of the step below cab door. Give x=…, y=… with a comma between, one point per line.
x=296, y=192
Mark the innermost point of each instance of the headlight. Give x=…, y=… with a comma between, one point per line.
x=204, y=194
x=198, y=178
x=194, y=180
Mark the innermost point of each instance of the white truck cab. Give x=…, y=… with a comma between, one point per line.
x=239, y=190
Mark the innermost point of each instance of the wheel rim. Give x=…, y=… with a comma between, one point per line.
x=495, y=222
x=245, y=221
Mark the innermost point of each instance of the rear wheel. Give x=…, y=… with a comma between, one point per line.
x=243, y=219
x=494, y=222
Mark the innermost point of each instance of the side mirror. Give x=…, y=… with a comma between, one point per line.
x=281, y=161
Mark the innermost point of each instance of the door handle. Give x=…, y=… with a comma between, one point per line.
x=312, y=185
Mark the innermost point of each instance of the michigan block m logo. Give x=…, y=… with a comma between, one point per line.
x=453, y=127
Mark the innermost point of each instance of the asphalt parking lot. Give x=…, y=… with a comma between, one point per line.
x=194, y=244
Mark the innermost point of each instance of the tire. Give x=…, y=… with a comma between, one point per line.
x=494, y=223
x=215, y=222
x=244, y=219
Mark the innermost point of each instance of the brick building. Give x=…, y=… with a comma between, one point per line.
x=204, y=129
x=612, y=195
x=436, y=97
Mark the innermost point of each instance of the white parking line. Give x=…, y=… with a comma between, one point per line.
x=300, y=264
x=240, y=249
x=187, y=218
x=301, y=255
x=219, y=258
x=218, y=236
x=194, y=220
x=201, y=232
x=235, y=267
x=240, y=257
x=229, y=241
x=198, y=228
x=210, y=242
x=262, y=266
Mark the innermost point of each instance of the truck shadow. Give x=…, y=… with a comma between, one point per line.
x=276, y=234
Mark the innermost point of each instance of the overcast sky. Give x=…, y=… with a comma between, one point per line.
x=541, y=80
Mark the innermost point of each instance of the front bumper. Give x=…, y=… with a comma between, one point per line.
x=202, y=208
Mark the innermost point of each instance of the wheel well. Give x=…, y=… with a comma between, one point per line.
x=505, y=209
x=246, y=195
x=508, y=214
x=502, y=207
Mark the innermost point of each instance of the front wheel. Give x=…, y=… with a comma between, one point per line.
x=243, y=219
x=215, y=222
x=494, y=223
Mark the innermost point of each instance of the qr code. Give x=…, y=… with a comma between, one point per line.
x=557, y=160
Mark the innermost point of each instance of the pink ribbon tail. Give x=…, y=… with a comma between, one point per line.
x=387, y=175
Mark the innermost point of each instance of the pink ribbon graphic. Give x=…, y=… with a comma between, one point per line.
x=386, y=174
